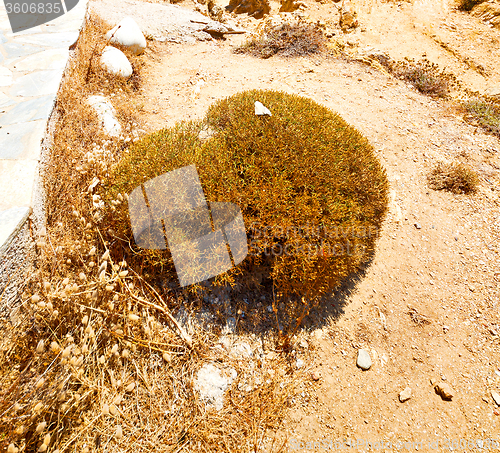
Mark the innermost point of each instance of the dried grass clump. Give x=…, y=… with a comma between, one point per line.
x=485, y=113
x=424, y=75
x=455, y=177
x=312, y=192
x=93, y=358
x=286, y=40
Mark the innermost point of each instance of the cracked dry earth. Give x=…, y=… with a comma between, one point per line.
x=427, y=307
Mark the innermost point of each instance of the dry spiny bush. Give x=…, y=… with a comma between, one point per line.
x=424, y=75
x=455, y=177
x=311, y=190
x=286, y=40
x=92, y=358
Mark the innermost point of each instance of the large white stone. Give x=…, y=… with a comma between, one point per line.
x=116, y=62
x=129, y=34
x=106, y=114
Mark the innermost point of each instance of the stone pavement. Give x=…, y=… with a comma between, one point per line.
x=32, y=63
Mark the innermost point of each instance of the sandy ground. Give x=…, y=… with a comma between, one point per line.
x=427, y=307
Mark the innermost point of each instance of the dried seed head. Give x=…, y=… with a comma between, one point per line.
x=42, y=448
x=40, y=347
x=19, y=430
x=66, y=352
x=55, y=313
x=91, y=264
x=12, y=449
x=50, y=307
x=40, y=427
x=123, y=273
x=72, y=361
x=130, y=387
x=102, y=275
x=105, y=409
x=105, y=256
x=38, y=408
x=65, y=281
x=17, y=407
x=54, y=347
x=133, y=317
x=119, y=432
x=167, y=357
x=92, y=251
x=114, y=349
x=39, y=383
x=85, y=349
x=46, y=286
x=82, y=276
x=117, y=399
x=125, y=354
x=112, y=409
x=35, y=298
x=102, y=359
x=110, y=288
x=46, y=439
x=41, y=304
x=85, y=320
x=115, y=297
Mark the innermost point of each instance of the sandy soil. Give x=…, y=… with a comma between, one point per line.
x=427, y=306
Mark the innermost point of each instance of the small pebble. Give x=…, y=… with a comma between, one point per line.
x=405, y=395
x=364, y=360
x=496, y=397
x=445, y=391
x=417, y=226
x=315, y=375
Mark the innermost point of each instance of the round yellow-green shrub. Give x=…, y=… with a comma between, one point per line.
x=312, y=193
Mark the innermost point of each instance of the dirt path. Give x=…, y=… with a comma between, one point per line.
x=427, y=307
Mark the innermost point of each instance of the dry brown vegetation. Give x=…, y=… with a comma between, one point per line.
x=93, y=357
x=455, y=177
x=326, y=191
x=286, y=40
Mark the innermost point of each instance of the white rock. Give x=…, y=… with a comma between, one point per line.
x=106, y=114
x=129, y=34
x=212, y=385
x=496, y=397
x=116, y=62
x=364, y=360
x=261, y=109
x=405, y=395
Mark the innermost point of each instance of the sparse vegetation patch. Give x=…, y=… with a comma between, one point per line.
x=286, y=40
x=455, y=177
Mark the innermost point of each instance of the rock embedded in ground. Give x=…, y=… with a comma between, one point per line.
x=106, y=114
x=128, y=34
x=364, y=360
x=444, y=390
x=405, y=394
x=496, y=397
x=348, y=16
x=212, y=384
x=116, y=62
x=254, y=8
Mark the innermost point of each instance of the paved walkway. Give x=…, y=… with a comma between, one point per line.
x=31, y=66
